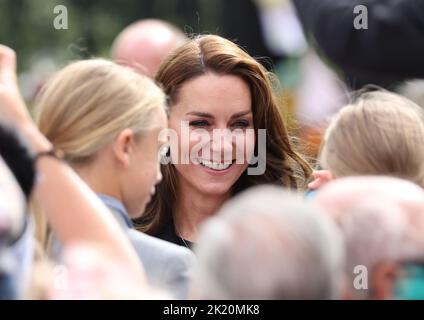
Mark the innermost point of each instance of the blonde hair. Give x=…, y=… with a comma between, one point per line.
x=380, y=134
x=86, y=104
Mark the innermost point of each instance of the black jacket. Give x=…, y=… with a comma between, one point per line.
x=389, y=51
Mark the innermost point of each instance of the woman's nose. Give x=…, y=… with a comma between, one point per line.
x=222, y=145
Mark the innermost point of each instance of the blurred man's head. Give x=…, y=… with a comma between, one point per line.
x=382, y=221
x=268, y=244
x=144, y=44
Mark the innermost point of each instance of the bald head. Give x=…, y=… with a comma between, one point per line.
x=382, y=222
x=144, y=44
x=268, y=244
x=341, y=194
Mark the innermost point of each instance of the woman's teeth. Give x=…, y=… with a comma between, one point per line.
x=215, y=165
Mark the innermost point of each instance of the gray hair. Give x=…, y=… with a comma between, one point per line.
x=269, y=244
x=378, y=222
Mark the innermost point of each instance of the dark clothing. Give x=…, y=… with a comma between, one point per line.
x=237, y=20
x=389, y=51
x=168, y=233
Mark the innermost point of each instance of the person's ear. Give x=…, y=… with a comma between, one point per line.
x=123, y=146
x=383, y=280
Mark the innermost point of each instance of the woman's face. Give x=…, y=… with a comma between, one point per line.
x=143, y=171
x=213, y=120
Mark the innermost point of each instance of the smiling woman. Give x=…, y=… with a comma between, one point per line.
x=216, y=88
x=212, y=102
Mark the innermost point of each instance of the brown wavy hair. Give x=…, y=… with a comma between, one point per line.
x=210, y=53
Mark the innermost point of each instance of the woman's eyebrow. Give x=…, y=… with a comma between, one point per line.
x=200, y=114
x=209, y=115
x=240, y=114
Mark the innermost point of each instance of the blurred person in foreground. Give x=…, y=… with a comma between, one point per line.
x=73, y=210
x=144, y=44
x=88, y=271
x=269, y=244
x=382, y=221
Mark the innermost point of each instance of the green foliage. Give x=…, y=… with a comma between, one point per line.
x=27, y=25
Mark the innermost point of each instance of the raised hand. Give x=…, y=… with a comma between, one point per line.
x=321, y=177
x=12, y=106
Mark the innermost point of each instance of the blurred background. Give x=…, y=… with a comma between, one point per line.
x=27, y=25
x=268, y=29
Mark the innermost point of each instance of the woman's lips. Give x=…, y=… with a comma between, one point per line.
x=216, y=169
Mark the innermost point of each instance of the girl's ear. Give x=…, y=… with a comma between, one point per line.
x=123, y=146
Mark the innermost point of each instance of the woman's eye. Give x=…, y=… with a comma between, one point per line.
x=241, y=124
x=199, y=123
